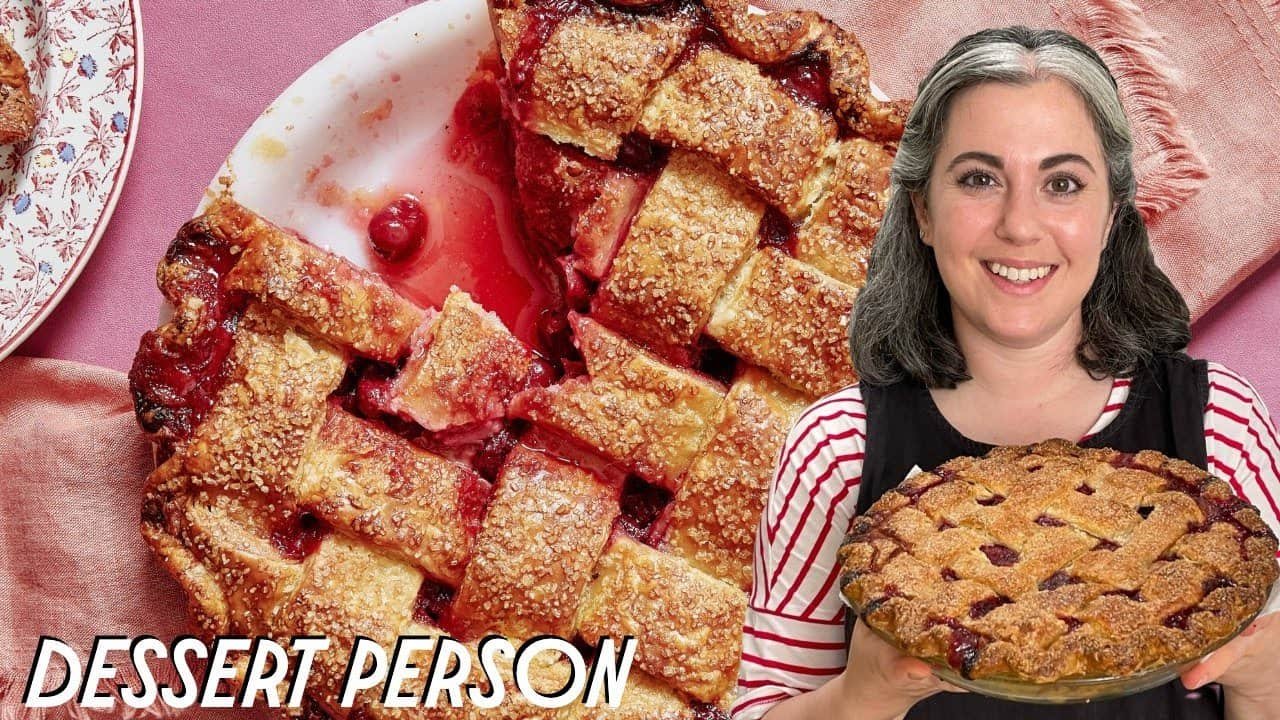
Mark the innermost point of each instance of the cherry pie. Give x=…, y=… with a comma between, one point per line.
x=1051, y=561
x=701, y=185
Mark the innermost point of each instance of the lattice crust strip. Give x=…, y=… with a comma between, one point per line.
x=721, y=134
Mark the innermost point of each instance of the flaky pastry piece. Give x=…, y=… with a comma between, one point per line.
x=838, y=235
x=728, y=108
x=683, y=619
x=713, y=519
x=464, y=367
x=631, y=406
x=694, y=228
x=770, y=38
x=785, y=315
x=17, y=105
x=1051, y=562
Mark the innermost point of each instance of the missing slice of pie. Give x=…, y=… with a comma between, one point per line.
x=336, y=459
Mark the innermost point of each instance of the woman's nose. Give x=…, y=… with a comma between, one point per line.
x=1020, y=221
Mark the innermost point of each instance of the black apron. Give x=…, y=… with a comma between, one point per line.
x=1164, y=411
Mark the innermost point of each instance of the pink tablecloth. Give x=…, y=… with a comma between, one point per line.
x=210, y=71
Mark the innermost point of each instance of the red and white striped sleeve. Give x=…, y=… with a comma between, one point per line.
x=793, y=640
x=1242, y=446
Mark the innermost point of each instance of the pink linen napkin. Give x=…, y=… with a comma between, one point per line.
x=1200, y=81
x=72, y=562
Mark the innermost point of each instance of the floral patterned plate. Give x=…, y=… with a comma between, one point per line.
x=57, y=190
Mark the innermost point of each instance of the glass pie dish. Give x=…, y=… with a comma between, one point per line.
x=1068, y=690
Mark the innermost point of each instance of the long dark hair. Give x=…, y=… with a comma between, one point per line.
x=902, y=325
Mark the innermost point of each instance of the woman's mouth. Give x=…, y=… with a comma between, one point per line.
x=1020, y=280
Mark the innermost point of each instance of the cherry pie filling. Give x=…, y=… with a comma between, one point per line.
x=297, y=533
x=175, y=383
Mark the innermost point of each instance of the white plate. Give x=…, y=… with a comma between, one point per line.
x=418, y=59
x=364, y=124
x=320, y=133
x=57, y=191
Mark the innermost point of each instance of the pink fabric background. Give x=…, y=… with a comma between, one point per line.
x=72, y=560
x=209, y=70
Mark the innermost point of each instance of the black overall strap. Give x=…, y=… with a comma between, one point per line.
x=1164, y=411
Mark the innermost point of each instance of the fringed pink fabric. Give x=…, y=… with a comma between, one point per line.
x=1201, y=83
x=1170, y=168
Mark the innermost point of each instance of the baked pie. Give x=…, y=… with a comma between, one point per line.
x=1052, y=562
x=701, y=186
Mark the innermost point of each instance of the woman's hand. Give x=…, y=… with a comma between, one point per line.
x=1247, y=667
x=881, y=681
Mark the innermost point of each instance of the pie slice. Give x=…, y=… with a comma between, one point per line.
x=700, y=187
x=17, y=105
x=1052, y=562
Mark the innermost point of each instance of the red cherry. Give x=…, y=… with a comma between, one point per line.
x=492, y=454
x=541, y=373
x=373, y=396
x=399, y=229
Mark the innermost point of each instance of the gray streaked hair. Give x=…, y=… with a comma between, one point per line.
x=902, y=326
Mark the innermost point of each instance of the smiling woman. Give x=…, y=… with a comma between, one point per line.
x=1012, y=297
x=1016, y=153
x=1017, y=218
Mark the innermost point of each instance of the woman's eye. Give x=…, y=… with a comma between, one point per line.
x=1064, y=185
x=977, y=179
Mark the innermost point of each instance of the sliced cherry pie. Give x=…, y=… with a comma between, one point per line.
x=1051, y=561
x=701, y=185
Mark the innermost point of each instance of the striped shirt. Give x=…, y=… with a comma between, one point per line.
x=793, y=640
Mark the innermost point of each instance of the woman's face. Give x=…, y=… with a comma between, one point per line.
x=1017, y=210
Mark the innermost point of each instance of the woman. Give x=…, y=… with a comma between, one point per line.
x=1012, y=297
